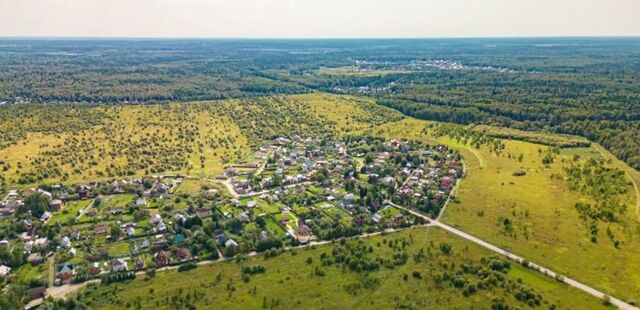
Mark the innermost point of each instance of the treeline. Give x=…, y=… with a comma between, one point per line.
x=618, y=132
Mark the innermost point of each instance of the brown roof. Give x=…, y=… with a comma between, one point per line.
x=36, y=292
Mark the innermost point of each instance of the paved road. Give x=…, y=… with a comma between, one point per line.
x=583, y=287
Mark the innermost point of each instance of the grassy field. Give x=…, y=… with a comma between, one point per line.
x=291, y=281
x=195, y=139
x=198, y=139
x=69, y=211
x=544, y=225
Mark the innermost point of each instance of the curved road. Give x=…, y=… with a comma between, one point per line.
x=583, y=287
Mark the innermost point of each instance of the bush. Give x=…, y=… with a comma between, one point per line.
x=118, y=277
x=187, y=266
x=519, y=173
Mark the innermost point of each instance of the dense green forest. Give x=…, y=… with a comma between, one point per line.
x=580, y=86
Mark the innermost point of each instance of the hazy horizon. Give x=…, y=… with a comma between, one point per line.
x=328, y=19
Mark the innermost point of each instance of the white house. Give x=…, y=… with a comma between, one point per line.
x=141, y=202
x=4, y=271
x=230, y=242
x=119, y=264
x=65, y=242
x=131, y=231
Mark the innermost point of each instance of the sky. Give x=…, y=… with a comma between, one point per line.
x=319, y=18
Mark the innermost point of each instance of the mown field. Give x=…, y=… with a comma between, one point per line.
x=535, y=215
x=303, y=281
x=92, y=142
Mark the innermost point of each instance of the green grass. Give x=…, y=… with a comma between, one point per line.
x=189, y=186
x=274, y=228
x=289, y=279
x=269, y=208
x=117, y=201
x=28, y=272
x=69, y=211
x=338, y=214
x=547, y=228
x=118, y=248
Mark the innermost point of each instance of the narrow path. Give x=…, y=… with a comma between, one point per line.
x=478, y=156
x=548, y=272
x=84, y=210
x=52, y=271
x=63, y=290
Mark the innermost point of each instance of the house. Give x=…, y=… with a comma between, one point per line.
x=36, y=293
x=302, y=232
x=119, y=265
x=376, y=217
x=388, y=181
x=72, y=251
x=35, y=258
x=95, y=268
x=162, y=227
x=160, y=243
x=91, y=212
x=203, y=212
x=131, y=232
x=398, y=218
x=139, y=265
x=263, y=236
x=156, y=218
x=65, y=242
x=75, y=234
x=4, y=271
x=141, y=202
x=244, y=217
x=65, y=272
x=251, y=204
x=55, y=205
x=230, y=242
x=45, y=216
x=179, y=218
x=101, y=229
x=41, y=243
x=45, y=193
x=161, y=258
x=184, y=254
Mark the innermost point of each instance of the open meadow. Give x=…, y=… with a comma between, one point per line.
x=195, y=139
x=316, y=278
x=573, y=210
x=535, y=215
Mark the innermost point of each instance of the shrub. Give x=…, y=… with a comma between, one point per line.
x=187, y=266
x=519, y=173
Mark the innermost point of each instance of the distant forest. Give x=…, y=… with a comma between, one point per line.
x=583, y=86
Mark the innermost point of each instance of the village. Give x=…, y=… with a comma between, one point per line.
x=289, y=192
